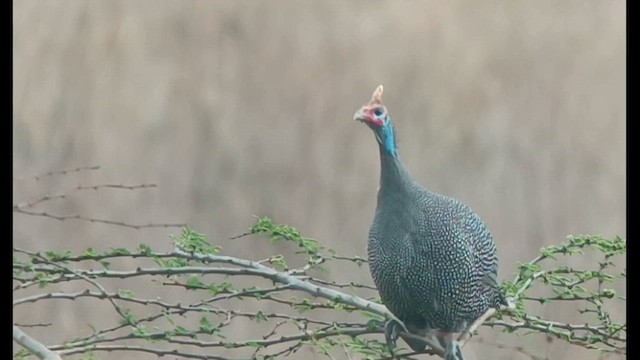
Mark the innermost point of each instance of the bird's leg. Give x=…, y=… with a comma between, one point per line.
x=453, y=351
x=391, y=333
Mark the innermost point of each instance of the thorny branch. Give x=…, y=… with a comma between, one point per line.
x=25, y=207
x=57, y=172
x=94, y=220
x=194, y=262
x=45, y=198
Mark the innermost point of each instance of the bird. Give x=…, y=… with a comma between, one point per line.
x=431, y=257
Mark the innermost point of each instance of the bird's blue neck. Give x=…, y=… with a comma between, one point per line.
x=388, y=139
x=394, y=176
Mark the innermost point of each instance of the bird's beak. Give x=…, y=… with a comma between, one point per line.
x=360, y=116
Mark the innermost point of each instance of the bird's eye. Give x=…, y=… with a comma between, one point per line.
x=378, y=111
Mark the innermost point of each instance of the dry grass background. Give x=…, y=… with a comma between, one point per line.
x=241, y=108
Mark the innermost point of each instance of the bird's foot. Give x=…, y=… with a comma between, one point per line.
x=391, y=333
x=453, y=351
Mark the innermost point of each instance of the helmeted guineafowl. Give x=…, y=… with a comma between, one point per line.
x=431, y=257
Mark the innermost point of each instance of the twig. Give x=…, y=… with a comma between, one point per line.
x=578, y=334
x=146, y=349
x=94, y=220
x=102, y=290
x=338, y=285
x=466, y=335
x=115, y=186
x=254, y=268
x=59, y=172
x=33, y=325
x=273, y=331
x=46, y=198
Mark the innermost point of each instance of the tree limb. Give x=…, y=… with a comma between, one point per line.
x=33, y=345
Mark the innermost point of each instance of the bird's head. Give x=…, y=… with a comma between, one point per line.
x=375, y=115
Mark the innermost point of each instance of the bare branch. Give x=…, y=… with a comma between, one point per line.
x=45, y=198
x=52, y=268
x=254, y=268
x=115, y=186
x=93, y=220
x=273, y=331
x=338, y=285
x=145, y=349
x=58, y=172
x=466, y=335
x=33, y=345
x=32, y=203
x=103, y=291
x=297, y=284
x=33, y=325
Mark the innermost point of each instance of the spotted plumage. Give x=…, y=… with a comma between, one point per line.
x=431, y=257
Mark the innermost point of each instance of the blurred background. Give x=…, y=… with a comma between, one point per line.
x=244, y=108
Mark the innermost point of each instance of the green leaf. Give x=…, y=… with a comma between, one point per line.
x=205, y=325
x=125, y=293
x=145, y=249
x=91, y=253
x=608, y=293
x=128, y=319
x=120, y=251
x=140, y=331
x=215, y=289
x=56, y=256
x=194, y=283
x=183, y=331
x=195, y=242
